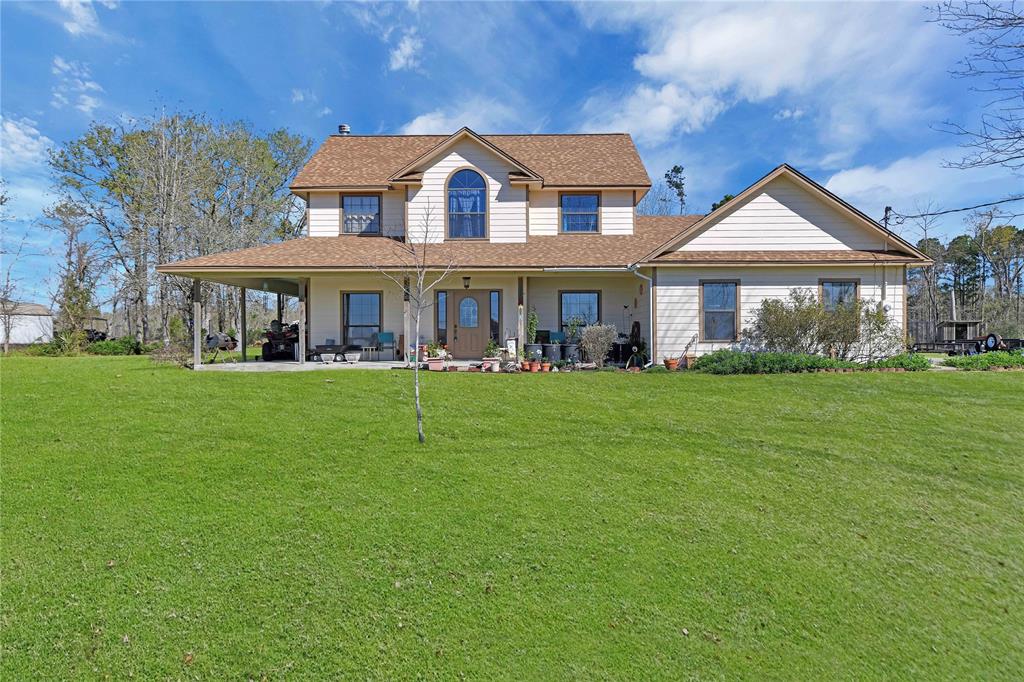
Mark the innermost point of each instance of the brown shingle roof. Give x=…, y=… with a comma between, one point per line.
x=783, y=257
x=561, y=160
x=357, y=252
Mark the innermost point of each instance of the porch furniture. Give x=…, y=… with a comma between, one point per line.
x=386, y=341
x=369, y=350
x=557, y=337
x=543, y=336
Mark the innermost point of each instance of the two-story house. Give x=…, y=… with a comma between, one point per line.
x=548, y=223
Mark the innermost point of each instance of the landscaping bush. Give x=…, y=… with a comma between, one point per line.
x=596, y=341
x=912, y=362
x=125, y=345
x=860, y=330
x=999, y=358
x=742, y=362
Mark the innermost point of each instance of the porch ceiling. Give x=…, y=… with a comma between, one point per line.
x=273, y=284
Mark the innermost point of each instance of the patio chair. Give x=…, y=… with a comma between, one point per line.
x=557, y=337
x=386, y=341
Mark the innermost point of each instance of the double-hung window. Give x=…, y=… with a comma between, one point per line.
x=360, y=214
x=361, y=317
x=580, y=213
x=838, y=293
x=583, y=305
x=719, y=310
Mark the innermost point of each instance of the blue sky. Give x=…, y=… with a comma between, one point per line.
x=851, y=94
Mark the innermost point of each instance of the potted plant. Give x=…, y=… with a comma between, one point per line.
x=436, y=356
x=492, y=357
x=571, y=350
x=545, y=364
x=534, y=364
x=671, y=364
x=533, y=349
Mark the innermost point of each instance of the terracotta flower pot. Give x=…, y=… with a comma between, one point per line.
x=671, y=364
x=525, y=365
x=545, y=366
x=534, y=365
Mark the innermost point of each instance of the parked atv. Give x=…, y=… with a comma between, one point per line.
x=281, y=341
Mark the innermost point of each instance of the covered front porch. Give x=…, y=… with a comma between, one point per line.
x=368, y=312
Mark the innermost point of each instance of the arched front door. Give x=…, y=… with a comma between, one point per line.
x=470, y=315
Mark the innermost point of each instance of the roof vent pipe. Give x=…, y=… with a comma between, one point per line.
x=344, y=129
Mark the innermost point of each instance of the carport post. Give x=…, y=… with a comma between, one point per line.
x=197, y=325
x=245, y=340
x=302, y=321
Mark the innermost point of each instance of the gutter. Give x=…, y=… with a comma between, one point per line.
x=635, y=269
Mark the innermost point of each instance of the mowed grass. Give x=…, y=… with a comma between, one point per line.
x=162, y=523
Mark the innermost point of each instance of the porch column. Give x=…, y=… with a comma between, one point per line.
x=407, y=326
x=302, y=321
x=521, y=315
x=244, y=325
x=197, y=325
x=280, y=308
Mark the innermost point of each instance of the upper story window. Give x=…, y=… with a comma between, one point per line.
x=838, y=293
x=467, y=205
x=360, y=214
x=580, y=212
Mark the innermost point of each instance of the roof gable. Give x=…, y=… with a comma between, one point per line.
x=419, y=164
x=786, y=210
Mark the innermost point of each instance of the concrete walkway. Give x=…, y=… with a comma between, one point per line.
x=292, y=366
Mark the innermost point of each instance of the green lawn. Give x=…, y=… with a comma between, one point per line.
x=163, y=523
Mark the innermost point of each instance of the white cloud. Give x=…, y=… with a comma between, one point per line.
x=917, y=180
x=302, y=95
x=713, y=57
x=74, y=83
x=22, y=146
x=326, y=111
x=652, y=114
x=480, y=114
x=80, y=16
x=788, y=114
x=406, y=55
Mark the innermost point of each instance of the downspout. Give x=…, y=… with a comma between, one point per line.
x=635, y=269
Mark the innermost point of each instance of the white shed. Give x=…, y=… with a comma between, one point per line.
x=31, y=323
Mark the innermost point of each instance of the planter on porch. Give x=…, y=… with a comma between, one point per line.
x=534, y=351
x=571, y=352
x=435, y=364
x=352, y=357
x=553, y=351
x=492, y=364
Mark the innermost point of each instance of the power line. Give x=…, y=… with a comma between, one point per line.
x=900, y=218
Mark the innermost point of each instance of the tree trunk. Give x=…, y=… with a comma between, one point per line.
x=416, y=379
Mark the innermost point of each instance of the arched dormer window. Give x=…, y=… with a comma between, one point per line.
x=467, y=205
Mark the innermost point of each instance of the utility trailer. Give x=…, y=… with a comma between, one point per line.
x=981, y=344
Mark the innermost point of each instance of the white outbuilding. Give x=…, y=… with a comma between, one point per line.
x=30, y=323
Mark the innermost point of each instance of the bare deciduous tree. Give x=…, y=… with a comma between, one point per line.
x=416, y=267
x=995, y=33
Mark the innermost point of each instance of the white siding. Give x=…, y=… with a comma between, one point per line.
x=393, y=213
x=678, y=296
x=324, y=214
x=617, y=212
x=784, y=217
x=506, y=207
x=543, y=212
